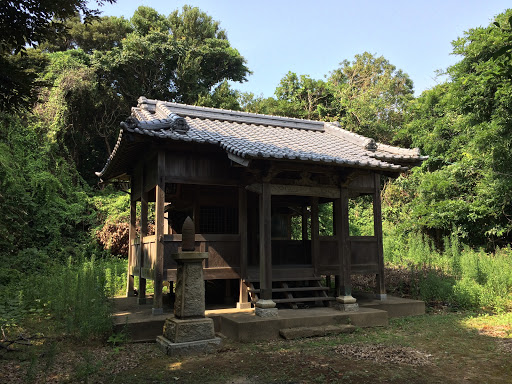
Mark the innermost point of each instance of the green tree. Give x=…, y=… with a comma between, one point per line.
x=99, y=34
x=296, y=96
x=370, y=96
x=179, y=58
x=308, y=97
x=464, y=125
x=29, y=23
x=223, y=96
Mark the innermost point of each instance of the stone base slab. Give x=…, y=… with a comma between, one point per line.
x=394, y=306
x=188, y=348
x=265, y=312
x=301, y=332
x=346, y=307
x=157, y=311
x=188, y=330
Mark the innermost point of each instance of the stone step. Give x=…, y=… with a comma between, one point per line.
x=301, y=332
x=303, y=299
x=292, y=289
x=300, y=299
x=277, y=279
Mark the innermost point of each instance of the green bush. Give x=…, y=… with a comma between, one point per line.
x=73, y=297
x=456, y=275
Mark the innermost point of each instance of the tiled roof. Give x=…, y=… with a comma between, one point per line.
x=254, y=136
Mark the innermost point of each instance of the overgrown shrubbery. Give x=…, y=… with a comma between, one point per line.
x=457, y=275
x=72, y=297
x=50, y=264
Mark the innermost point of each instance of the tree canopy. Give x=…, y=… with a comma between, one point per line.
x=368, y=96
x=94, y=71
x=465, y=127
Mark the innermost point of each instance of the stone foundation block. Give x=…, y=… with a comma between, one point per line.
x=188, y=330
x=346, y=307
x=265, y=312
x=187, y=348
x=346, y=299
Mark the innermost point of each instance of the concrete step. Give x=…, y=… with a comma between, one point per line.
x=301, y=332
x=246, y=327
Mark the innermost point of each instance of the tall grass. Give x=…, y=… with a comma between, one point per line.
x=73, y=298
x=456, y=274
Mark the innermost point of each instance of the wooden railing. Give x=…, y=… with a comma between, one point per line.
x=223, y=256
x=363, y=255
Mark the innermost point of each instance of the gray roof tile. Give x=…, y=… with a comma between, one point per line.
x=249, y=135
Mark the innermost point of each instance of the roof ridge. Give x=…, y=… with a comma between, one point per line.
x=363, y=141
x=230, y=115
x=398, y=150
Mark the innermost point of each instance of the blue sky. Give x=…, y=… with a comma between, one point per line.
x=313, y=37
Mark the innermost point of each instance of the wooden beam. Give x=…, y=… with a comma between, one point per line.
x=265, y=243
x=131, y=254
x=297, y=190
x=377, y=231
x=315, y=233
x=159, y=233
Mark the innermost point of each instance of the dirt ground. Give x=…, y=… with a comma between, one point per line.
x=434, y=348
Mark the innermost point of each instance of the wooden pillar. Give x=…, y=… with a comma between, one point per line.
x=159, y=234
x=377, y=232
x=265, y=243
x=243, y=300
x=304, y=224
x=315, y=233
x=143, y=233
x=344, y=292
x=131, y=254
x=167, y=230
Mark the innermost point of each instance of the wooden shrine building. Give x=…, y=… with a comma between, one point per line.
x=249, y=181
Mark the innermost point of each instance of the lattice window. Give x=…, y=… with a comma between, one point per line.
x=218, y=220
